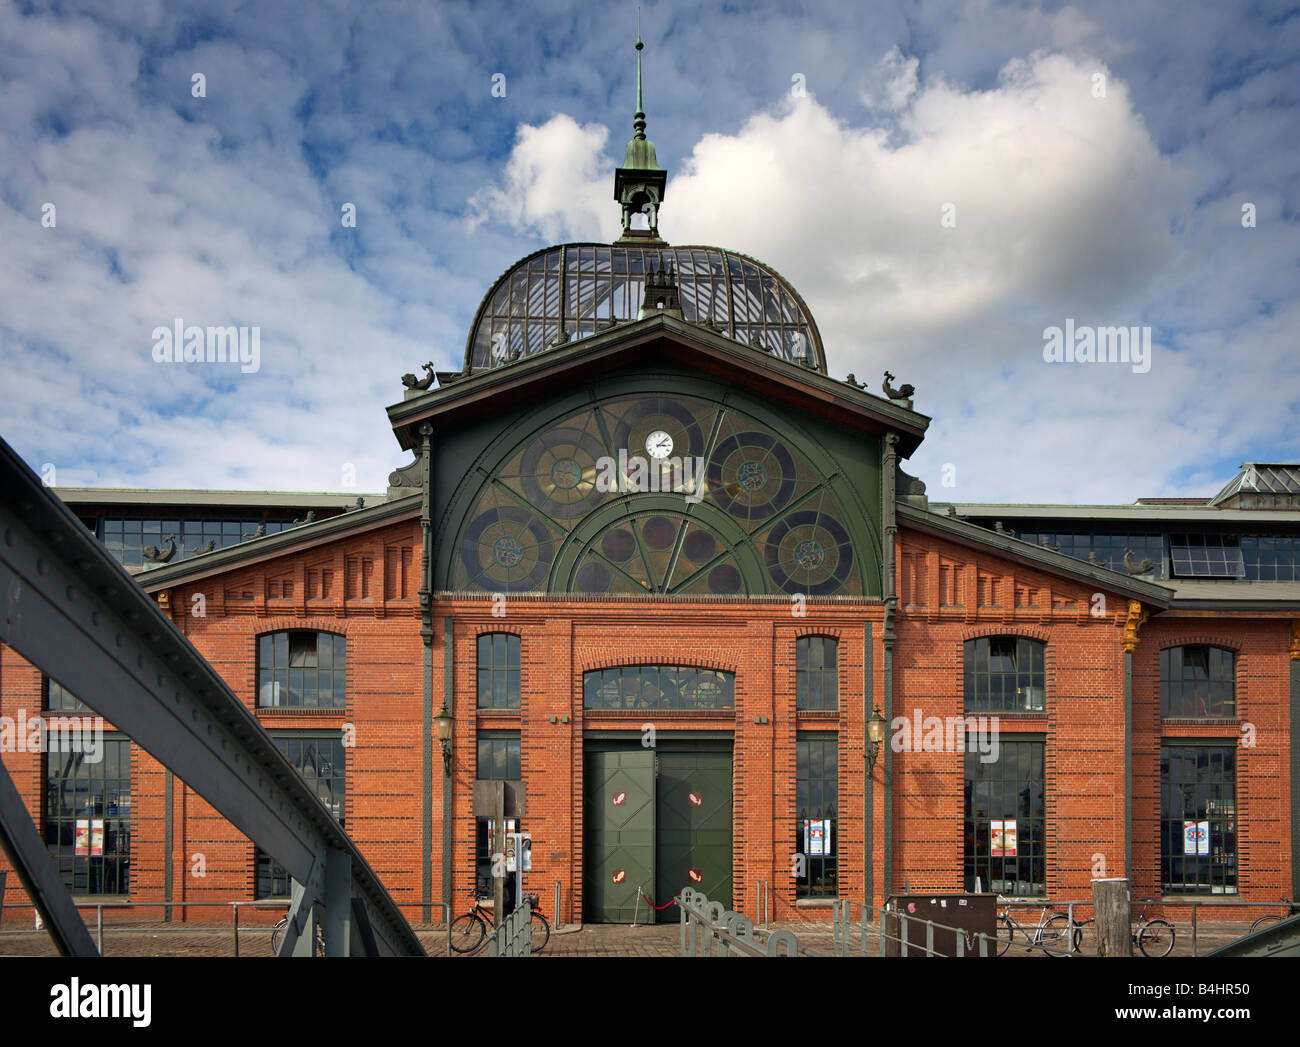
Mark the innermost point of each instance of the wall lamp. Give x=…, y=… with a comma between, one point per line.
x=443, y=724
x=875, y=734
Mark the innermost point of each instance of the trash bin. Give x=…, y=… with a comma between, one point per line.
x=971, y=913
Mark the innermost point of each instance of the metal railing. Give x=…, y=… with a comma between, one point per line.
x=514, y=935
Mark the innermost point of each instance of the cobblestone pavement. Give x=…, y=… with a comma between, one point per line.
x=182, y=939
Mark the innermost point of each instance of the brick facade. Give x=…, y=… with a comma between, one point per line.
x=365, y=588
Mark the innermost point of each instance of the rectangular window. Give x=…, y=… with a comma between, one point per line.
x=498, y=671
x=817, y=776
x=816, y=673
x=302, y=669
x=1198, y=818
x=1005, y=817
x=88, y=817
x=1198, y=681
x=1004, y=674
x=1206, y=556
x=321, y=759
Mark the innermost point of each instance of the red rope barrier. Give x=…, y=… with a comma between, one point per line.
x=671, y=901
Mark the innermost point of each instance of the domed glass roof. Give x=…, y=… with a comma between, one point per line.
x=579, y=289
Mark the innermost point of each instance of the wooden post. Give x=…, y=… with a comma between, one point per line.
x=498, y=847
x=1112, y=904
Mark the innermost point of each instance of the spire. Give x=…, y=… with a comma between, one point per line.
x=639, y=184
x=638, y=121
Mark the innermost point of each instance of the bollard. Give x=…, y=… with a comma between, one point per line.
x=235, y=909
x=1112, y=904
x=556, y=918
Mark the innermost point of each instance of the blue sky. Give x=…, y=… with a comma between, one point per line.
x=823, y=139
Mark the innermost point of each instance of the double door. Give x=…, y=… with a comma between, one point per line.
x=655, y=820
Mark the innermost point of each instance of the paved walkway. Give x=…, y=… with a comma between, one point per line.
x=181, y=939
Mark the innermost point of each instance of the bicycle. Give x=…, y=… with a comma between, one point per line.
x=277, y=932
x=1153, y=937
x=469, y=931
x=1292, y=910
x=1047, y=934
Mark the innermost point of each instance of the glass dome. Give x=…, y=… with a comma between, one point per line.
x=593, y=286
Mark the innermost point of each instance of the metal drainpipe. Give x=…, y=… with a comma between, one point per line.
x=426, y=636
x=889, y=484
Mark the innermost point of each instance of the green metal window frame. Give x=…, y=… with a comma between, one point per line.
x=816, y=673
x=329, y=777
x=676, y=688
x=498, y=666
x=498, y=756
x=1198, y=793
x=101, y=792
x=817, y=787
x=1011, y=788
x=58, y=697
x=1198, y=680
x=301, y=668
x=1005, y=674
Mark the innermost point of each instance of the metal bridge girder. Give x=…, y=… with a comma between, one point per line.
x=76, y=614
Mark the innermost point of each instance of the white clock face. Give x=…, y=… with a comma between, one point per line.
x=659, y=444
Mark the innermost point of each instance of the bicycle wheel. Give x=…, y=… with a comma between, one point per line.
x=1005, y=933
x=277, y=932
x=1263, y=921
x=541, y=931
x=467, y=933
x=1156, y=938
x=1054, y=936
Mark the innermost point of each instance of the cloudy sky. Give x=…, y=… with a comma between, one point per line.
x=941, y=181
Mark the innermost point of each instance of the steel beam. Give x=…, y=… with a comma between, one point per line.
x=75, y=613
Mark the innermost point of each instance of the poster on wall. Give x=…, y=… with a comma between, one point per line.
x=90, y=837
x=1002, y=838
x=1196, y=838
x=511, y=827
x=817, y=837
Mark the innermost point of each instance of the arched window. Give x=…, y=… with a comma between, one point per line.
x=498, y=671
x=1198, y=680
x=301, y=669
x=816, y=673
x=1005, y=674
x=677, y=687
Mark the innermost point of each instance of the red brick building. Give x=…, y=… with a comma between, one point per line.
x=660, y=569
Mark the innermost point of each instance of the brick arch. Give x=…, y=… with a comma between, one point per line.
x=489, y=630
x=809, y=630
x=337, y=626
x=685, y=661
x=1017, y=629
x=1193, y=641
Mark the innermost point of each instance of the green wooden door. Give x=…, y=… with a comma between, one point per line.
x=694, y=827
x=619, y=833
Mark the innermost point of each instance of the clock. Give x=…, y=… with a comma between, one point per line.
x=659, y=444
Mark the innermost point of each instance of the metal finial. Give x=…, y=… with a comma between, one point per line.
x=638, y=122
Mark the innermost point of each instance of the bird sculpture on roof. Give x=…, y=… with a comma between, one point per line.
x=852, y=380
x=154, y=555
x=207, y=547
x=309, y=518
x=360, y=503
x=1136, y=566
x=259, y=533
x=411, y=382
x=903, y=392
